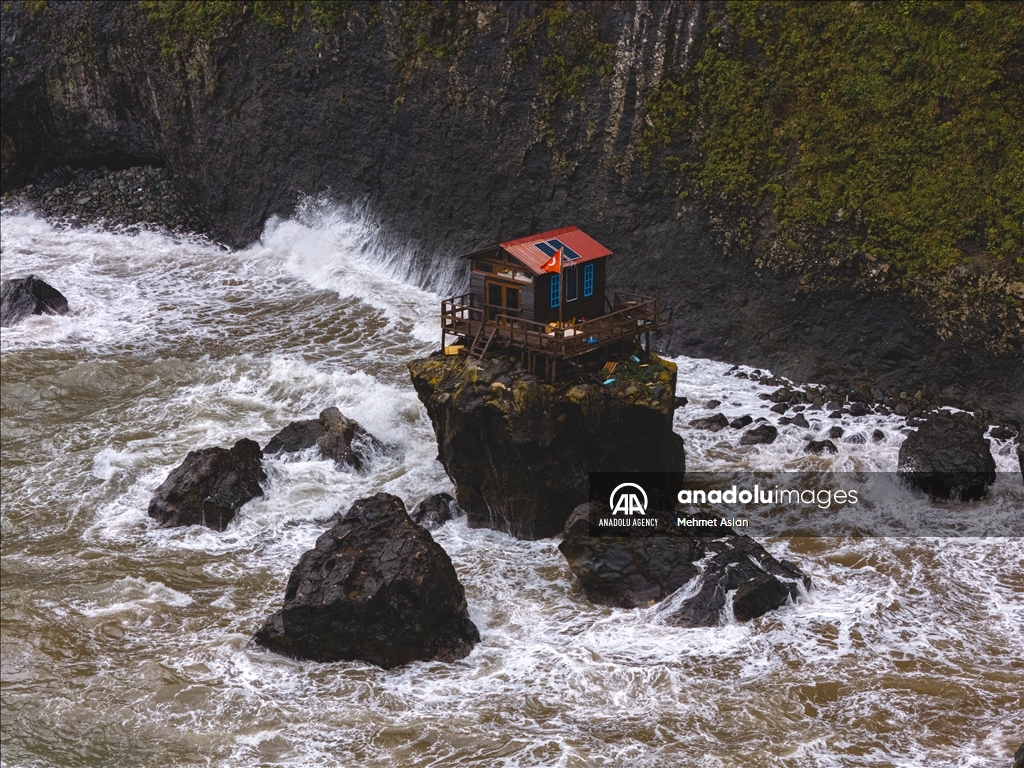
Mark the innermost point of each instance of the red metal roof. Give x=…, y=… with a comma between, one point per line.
x=575, y=239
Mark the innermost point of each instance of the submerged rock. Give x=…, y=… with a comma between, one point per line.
x=644, y=568
x=741, y=422
x=948, y=457
x=434, y=511
x=519, y=451
x=209, y=487
x=376, y=588
x=338, y=437
x=22, y=297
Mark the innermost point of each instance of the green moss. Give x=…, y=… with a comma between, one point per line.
x=184, y=23
x=568, y=46
x=898, y=124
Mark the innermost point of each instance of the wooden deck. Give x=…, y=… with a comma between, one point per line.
x=483, y=328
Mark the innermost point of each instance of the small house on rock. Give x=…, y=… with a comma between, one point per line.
x=544, y=296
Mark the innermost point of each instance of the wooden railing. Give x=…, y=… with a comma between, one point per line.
x=632, y=316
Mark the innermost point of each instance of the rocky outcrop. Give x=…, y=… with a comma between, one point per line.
x=22, y=297
x=127, y=197
x=376, y=588
x=337, y=437
x=948, y=457
x=249, y=113
x=209, y=487
x=434, y=511
x=641, y=569
x=519, y=451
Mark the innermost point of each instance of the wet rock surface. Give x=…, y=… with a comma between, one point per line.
x=209, y=487
x=337, y=437
x=520, y=451
x=821, y=447
x=711, y=423
x=639, y=570
x=759, y=435
x=22, y=297
x=376, y=588
x=434, y=511
x=948, y=457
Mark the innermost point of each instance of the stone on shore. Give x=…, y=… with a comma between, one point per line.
x=209, y=487
x=763, y=434
x=712, y=423
x=376, y=588
x=948, y=457
x=23, y=297
x=434, y=511
x=648, y=566
x=337, y=437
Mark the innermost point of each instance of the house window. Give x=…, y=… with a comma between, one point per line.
x=556, y=290
x=588, y=280
x=572, y=284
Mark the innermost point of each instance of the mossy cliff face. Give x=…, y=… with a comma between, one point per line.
x=520, y=451
x=826, y=189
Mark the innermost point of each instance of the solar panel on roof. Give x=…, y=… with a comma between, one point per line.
x=567, y=252
x=546, y=249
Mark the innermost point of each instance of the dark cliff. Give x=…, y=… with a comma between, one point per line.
x=462, y=124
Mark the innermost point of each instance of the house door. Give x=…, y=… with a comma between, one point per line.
x=502, y=300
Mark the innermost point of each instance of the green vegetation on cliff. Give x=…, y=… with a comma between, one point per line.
x=896, y=125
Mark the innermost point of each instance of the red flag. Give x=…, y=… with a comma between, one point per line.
x=554, y=264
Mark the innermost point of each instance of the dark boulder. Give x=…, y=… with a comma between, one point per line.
x=434, y=511
x=779, y=408
x=209, y=487
x=639, y=570
x=338, y=437
x=24, y=296
x=819, y=447
x=877, y=436
x=741, y=422
x=376, y=588
x=859, y=409
x=948, y=457
x=1020, y=458
x=712, y=423
x=712, y=404
x=1002, y=432
x=857, y=438
x=520, y=451
x=836, y=432
x=627, y=572
x=1018, y=757
x=765, y=433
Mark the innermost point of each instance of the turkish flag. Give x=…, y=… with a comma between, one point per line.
x=554, y=264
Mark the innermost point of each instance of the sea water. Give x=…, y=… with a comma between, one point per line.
x=124, y=644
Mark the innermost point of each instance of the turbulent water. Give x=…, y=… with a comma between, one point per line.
x=127, y=645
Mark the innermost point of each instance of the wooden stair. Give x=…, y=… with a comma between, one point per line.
x=474, y=349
